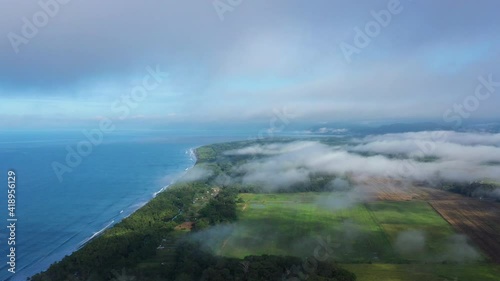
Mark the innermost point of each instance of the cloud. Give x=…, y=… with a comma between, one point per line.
x=464, y=138
x=459, y=250
x=283, y=178
x=242, y=68
x=214, y=237
x=339, y=184
x=343, y=199
x=442, y=150
x=410, y=242
x=196, y=173
x=285, y=164
x=270, y=149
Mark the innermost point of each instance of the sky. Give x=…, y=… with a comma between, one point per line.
x=167, y=63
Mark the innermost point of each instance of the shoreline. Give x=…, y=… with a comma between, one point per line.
x=191, y=152
x=192, y=157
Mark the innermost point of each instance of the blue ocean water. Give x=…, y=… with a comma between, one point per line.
x=116, y=178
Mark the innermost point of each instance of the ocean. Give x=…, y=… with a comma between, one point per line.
x=119, y=175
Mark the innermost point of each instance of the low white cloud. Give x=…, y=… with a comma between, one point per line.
x=410, y=242
x=462, y=160
x=464, y=138
x=326, y=130
x=458, y=249
x=270, y=149
x=343, y=199
x=448, y=144
x=339, y=184
x=196, y=173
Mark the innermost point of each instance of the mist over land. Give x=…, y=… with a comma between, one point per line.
x=438, y=156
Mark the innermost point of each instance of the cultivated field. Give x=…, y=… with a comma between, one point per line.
x=292, y=224
x=478, y=219
x=366, y=238
x=417, y=233
x=361, y=232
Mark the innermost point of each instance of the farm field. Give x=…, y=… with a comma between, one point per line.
x=370, y=239
x=418, y=234
x=292, y=224
x=480, y=220
x=370, y=232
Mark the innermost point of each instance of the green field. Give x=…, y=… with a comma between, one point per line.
x=363, y=237
x=415, y=217
x=292, y=223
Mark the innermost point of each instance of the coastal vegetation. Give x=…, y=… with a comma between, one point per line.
x=215, y=225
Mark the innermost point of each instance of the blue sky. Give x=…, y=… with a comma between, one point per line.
x=237, y=62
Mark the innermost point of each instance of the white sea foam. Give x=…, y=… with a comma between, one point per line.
x=96, y=233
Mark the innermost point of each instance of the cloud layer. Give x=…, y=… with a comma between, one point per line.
x=457, y=157
x=262, y=56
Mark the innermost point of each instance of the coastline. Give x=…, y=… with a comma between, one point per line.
x=193, y=158
x=123, y=214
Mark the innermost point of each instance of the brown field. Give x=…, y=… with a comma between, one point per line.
x=403, y=194
x=385, y=189
x=436, y=194
x=185, y=226
x=479, y=220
